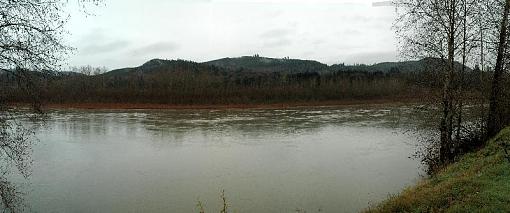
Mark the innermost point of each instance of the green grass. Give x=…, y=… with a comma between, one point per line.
x=477, y=182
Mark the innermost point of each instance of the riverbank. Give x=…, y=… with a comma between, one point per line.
x=283, y=105
x=478, y=182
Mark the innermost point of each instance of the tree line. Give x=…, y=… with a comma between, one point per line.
x=184, y=82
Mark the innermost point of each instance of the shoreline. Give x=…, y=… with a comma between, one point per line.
x=283, y=105
x=466, y=185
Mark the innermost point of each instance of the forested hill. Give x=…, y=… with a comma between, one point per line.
x=262, y=64
x=256, y=64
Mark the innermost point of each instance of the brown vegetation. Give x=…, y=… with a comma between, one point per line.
x=226, y=106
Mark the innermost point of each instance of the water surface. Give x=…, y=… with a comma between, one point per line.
x=329, y=159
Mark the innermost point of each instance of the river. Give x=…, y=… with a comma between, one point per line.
x=313, y=159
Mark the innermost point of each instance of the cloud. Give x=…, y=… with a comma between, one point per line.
x=295, y=1
x=96, y=41
x=276, y=33
x=371, y=57
x=279, y=37
x=274, y=13
x=383, y=4
x=274, y=43
x=105, y=47
x=318, y=42
x=325, y=30
x=156, y=48
x=350, y=31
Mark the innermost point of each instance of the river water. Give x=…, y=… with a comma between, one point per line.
x=314, y=159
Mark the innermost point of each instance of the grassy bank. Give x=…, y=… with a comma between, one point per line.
x=478, y=182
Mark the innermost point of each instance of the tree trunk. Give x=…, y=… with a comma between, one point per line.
x=495, y=122
x=446, y=124
x=460, y=93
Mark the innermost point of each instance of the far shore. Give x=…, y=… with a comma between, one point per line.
x=225, y=106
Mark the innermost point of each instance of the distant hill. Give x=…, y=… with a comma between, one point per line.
x=158, y=66
x=263, y=64
x=255, y=65
x=427, y=64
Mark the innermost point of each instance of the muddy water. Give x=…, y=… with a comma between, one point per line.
x=327, y=159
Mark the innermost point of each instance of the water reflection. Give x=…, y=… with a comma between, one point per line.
x=176, y=124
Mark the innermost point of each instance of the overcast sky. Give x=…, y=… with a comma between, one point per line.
x=128, y=33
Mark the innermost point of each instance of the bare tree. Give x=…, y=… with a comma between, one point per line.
x=452, y=30
x=31, y=35
x=439, y=29
x=89, y=70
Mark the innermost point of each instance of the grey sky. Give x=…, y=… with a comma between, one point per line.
x=128, y=33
